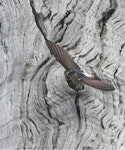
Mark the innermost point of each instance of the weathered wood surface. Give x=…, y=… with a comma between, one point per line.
x=37, y=108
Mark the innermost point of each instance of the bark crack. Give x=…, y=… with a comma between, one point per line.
x=106, y=15
x=39, y=67
x=77, y=105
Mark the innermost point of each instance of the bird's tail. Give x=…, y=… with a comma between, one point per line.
x=39, y=20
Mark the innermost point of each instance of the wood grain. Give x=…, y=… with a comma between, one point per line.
x=38, y=110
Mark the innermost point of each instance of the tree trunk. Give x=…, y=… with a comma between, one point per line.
x=38, y=110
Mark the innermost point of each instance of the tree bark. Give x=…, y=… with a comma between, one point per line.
x=38, y=110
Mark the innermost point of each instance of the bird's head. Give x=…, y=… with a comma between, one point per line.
x=73, y=76
x=77, y=74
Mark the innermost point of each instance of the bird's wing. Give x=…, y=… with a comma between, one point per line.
x=61, y=55
x=97, y=84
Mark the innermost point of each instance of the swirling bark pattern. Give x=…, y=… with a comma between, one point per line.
x=38, y=110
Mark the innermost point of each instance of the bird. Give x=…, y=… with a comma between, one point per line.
x=75, y=77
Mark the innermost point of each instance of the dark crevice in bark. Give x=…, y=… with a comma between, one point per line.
x=75, y=44
x=106, y=16
x=94, y=107
x=87, y=148
x=82, y=135
x=91, y=4
x=61, y=38
x=56, y=138
x=122, y=47
x=101, y=110
x=0, y=27
x=5, y=47
x=31, y=133
x=102, y=121
x=91, y=101
x=108, y=65
x=90, y=61
x=62, y=25
x=24, y=138
x=39, y=19
x=120, y=132
x=122, y=25
x=40, y=66
x=33, y=122
x=38, y=111
x=28, y=95
x=52, y=17
x=19, y=1
x=78, y=112
x=62, y=21
x=77, y=106
x=68, y=4
x=115, y=72
x=85, y=55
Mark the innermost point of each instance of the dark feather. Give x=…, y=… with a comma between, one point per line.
x=61, y=55
x=98, y=84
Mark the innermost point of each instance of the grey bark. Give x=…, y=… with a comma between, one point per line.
x=38, y=110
